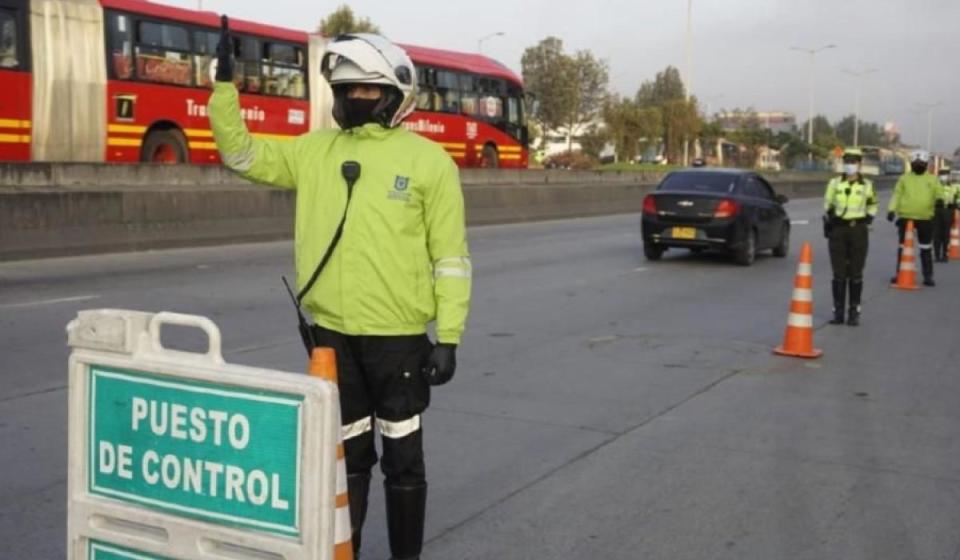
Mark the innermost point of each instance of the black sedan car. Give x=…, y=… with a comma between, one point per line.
x=731, y=210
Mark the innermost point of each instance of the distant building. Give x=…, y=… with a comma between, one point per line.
x=774, y=121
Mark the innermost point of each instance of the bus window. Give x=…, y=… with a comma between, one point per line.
x=468, y=95
x=427, y=97
x=119, y=46
x=283, y=73
x=162, y=53
x=247, y=73
x=204, y=51
x=8, y=40
x=448, y=87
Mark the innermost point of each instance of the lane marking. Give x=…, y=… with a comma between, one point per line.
x=48, y=301
x=640, y=269
x=799, y=222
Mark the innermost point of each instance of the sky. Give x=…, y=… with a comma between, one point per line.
x=740, y=48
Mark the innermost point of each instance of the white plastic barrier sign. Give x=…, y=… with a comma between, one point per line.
x=177, y=455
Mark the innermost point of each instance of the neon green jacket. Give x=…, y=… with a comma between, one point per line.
x=915, y=196
x=403, y=260
x=851, y=200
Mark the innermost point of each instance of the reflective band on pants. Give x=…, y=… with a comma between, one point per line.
x=397, y=430
x=357, y=428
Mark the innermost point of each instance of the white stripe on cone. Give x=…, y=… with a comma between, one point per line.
x=804, y=269
x=341, y=523
x=802, y=294
x=909, y=252
x=341, y=477
x=800, y=320
x=908, y=266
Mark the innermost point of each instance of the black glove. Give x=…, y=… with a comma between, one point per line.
x=869, y=219
x=441, y=364
x=831, y=211
x=224, y=52
x=891, y=216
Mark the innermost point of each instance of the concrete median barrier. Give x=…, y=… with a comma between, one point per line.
x=65, y=209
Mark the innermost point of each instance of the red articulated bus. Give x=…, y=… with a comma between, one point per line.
x=128, y=81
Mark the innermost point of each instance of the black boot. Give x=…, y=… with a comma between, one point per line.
x=856, y=291
x=839, y=301
x=406, y=509
x=358, y=486
x=926, y=260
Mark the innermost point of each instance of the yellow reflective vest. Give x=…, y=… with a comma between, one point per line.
x=851, y=199
x=915, y=196
x=403, y=260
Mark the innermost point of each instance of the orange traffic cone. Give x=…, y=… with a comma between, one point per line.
x=798, y=338
x=323, y=364
x=955, y=237
x=907, y=273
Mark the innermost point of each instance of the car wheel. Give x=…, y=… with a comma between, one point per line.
x=747, y=252
x=652, y=252
x=783, y=247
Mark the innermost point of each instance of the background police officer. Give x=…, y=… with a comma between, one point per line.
x=915, y=197
x=944, y=217
x=393, y=200
x=850, y=204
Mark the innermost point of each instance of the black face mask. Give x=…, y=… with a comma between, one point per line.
x=918, y=167
x=357, y=112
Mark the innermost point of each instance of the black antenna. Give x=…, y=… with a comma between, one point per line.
x=305, y=332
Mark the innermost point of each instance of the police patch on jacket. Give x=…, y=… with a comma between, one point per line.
x=400, y=186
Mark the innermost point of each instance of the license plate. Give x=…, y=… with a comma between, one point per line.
x=684, y=233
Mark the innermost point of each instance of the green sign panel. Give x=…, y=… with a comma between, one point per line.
x=97, y=550
x=212, y=452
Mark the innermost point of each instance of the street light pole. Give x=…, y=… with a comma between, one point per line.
x=856, y=103
x=689, y=78
x=485, y=37
x=813, y=59
x=930, y=107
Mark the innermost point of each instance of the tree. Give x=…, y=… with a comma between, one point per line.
x=342, y=20
x=591, y=78
x=667, y=86
x=869, y=134
x=548, y=75
x=593, y=139
x=681, y=121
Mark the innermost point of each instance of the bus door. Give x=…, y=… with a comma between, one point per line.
x=15, y=121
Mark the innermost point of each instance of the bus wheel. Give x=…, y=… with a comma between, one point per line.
x=489, y=157
x=164, y=146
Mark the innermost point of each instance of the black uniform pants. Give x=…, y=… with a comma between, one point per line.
x=941, y=233
x=381, y=383
x=848, y=244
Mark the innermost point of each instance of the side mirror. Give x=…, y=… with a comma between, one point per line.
x=782, y=198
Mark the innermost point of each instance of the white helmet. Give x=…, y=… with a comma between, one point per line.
x=920, y=155
x=365, y=58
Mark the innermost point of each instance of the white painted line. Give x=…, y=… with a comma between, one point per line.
x=800, y=222
x=641, y=269
x=47, y=302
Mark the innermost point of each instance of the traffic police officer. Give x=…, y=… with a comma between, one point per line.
x=916, y=197
x=402, y=260
x=944, y=217
x=850, y=204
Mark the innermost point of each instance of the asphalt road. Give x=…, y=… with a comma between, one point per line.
x=605, y=406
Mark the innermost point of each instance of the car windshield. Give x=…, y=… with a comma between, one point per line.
x=722, y=183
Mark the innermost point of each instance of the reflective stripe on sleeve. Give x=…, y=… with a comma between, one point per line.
x=397, y=430
x=241, y=162
x=452, y=273
x=453, y=267
x=357, y=428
